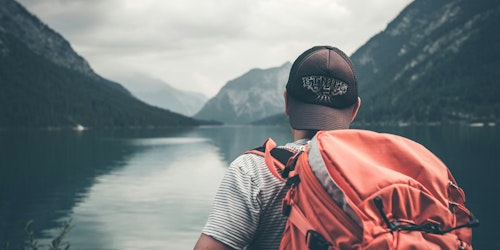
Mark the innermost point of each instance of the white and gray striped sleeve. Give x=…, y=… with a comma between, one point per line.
x=235, y=214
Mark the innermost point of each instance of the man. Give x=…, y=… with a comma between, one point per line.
x=321, y=94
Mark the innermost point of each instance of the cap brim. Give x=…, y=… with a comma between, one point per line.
x=305, y=116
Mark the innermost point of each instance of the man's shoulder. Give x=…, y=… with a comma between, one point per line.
x=253, y=163
x=295, y=146
x=252, y=155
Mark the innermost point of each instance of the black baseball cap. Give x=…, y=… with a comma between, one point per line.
x=321, y=89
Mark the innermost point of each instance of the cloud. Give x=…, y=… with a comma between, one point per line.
x=200, y=45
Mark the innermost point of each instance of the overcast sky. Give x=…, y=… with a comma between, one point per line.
x=199, y=45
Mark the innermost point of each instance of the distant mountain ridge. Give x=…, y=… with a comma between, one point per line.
x=253, y=96
x=45, y=84
x=160, y=94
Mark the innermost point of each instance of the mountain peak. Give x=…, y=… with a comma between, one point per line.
x=40, y=38
x=252, y=96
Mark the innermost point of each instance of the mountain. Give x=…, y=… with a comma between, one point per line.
x=158, y=93
x=436, y=62
x=45, y=83
x=253, y=96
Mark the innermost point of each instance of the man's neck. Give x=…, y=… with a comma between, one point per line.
x=302, y=134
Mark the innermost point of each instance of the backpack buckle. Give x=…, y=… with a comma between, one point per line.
x=293, y=180
x=290, y=165
x=286, y=209
x=316, y=241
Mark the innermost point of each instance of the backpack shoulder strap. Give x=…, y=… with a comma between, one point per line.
x=274, y=157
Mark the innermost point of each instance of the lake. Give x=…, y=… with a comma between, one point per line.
x=152, y=189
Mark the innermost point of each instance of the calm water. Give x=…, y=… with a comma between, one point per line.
x=152, y=189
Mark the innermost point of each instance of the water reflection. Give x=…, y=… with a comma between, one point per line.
x=161, y=193
x=43, y=172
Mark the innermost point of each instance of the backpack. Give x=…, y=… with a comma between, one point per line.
x=358, y=189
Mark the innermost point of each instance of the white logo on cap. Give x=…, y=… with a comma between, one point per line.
x=325, y=88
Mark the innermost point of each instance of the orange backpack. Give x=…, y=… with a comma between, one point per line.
x=357, y=189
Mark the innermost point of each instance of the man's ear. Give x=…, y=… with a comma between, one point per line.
x=285, y=96
x=355, y=109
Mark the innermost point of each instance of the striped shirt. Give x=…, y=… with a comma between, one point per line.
x=246, y=212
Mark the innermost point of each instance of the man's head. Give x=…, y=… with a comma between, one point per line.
x=322, y=90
